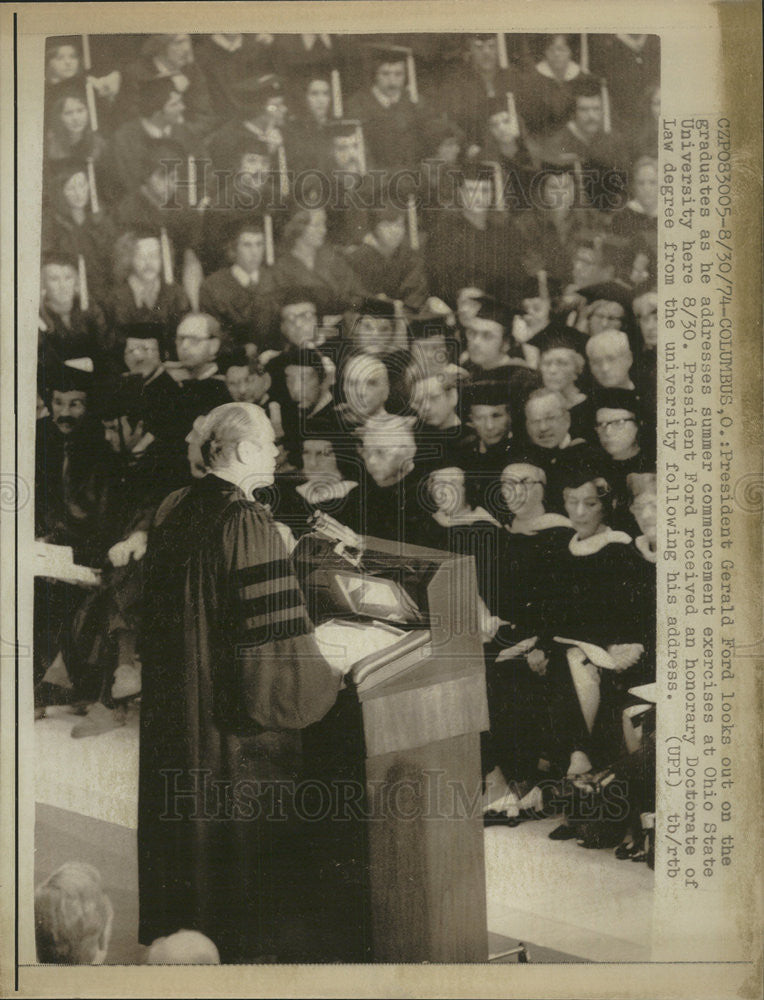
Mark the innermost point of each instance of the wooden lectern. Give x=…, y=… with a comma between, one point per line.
x=407, y=729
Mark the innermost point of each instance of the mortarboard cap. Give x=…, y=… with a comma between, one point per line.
x=477, y=171
x=381, y=308
x=616, y=399
x=256, y=91
x=341, y=128
x=564, y=337
x=65, y=378
x=487, y=391
x=429, y=325
x=154, y=93
x=585, y=86
x=379, y=54
x=66, y=169
x=608, y=291
x=495, y=311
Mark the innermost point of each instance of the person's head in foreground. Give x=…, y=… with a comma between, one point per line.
x=486, y=404
x=522, y=490
x=644, y=506
x=435, y=398
x=237, y=444
x=374, y=330
x=73, y=917
x=388, y=449
x=547, y=418
x=447, y=492
x=183, y=948
x=646, y=311
x=610, y=359
x=617, y=423
x=366, y=385
x=588, y=503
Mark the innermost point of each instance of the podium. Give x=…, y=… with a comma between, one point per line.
x=405, y=733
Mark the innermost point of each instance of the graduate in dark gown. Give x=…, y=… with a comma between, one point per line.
x=232, y=672
x=518, y=689
x=600, y=575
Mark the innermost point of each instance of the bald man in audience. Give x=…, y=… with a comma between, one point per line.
x=183, y=948
x=610, y=359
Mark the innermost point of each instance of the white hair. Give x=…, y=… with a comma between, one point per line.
x=615, y=338
x=395, y=433
x=183, y=948
x=228, y=425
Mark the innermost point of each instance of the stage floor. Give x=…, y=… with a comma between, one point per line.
x=566, y=903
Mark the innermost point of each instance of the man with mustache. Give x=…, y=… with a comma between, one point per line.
x=72, y=470
x=72, y=467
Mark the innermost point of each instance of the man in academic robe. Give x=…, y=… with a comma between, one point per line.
x=467, y=92
x=392, y=122
x=602, y=155
x=391, y=495
x=241, y=296
x=67, y=331
x=226, y=59
x=198, y=342
x=157, y=205
x=262, y=112
x=231, y=673
x=161, y=117
x=476, y=246
x=73, y=467
x=172, y=56
x=551, y=448
x=386, y=263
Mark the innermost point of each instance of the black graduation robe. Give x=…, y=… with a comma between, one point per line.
x=231, y=671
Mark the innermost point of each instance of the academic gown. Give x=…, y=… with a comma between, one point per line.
x=399, y=276
x=517, y=696
x=231, y=672
x=239, y=308
x=599, y=600
x=332, y=280
x=462, y=255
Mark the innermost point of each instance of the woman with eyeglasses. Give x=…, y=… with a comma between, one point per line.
x=518, y=746
x=618, y=427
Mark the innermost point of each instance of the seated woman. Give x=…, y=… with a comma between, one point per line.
x=563, y=368
x=559, y=220
x=519, y=741
x=364, y=391
x=309, y=137
x=70, y=226
x=307, y=261
x=599, y=617
x=69, y=135
x=386, y=263
x=618, y=424
x=545, y=98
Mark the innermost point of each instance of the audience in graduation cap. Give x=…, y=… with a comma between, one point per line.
x=435, y=273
